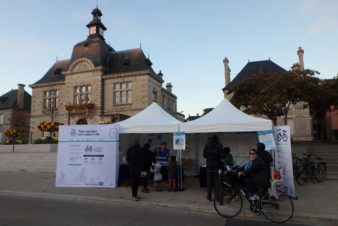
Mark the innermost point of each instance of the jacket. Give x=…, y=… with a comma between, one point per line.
x=213, y=152
x=135, y=159
x=258, y=173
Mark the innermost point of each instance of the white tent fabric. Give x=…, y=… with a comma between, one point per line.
x=226, y=118
x=152, y=119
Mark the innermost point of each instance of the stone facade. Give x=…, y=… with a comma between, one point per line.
x=119, y=84
x=15, y=105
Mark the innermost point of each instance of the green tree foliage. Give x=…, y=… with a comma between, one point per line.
x=272, y=94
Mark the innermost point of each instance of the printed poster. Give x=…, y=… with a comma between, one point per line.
x=88, y=156
x=284, y=157
x=179, y=141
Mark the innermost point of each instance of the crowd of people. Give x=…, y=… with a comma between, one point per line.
x=147, y=161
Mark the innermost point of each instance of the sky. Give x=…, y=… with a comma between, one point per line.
x=186, y=39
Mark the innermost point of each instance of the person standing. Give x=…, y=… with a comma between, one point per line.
x=147, y=161
x=156, y=169
x=135, y=162
x=213, y=152
x=265, y=156
x=228, y=161
x=162, y=157
x=172, y=174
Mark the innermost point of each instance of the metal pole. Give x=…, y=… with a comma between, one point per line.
x=181, y=168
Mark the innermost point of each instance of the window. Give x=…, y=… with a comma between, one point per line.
x=155, y=95
x=122, y=93
x=50, y=99
x=163, y=101
x=82, y=94
x=2, y=119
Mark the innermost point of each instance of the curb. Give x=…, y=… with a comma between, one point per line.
x=315, y=219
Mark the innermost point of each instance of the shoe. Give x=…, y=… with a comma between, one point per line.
x=145, y=190
x=254, y=197
x=209, y=198
x=136, y=198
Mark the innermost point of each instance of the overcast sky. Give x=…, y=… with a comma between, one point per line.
x=186, y=39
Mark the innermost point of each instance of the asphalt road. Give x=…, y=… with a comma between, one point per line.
x=25, y=211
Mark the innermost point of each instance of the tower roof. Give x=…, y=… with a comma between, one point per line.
x=255, y=67
x=96, y=19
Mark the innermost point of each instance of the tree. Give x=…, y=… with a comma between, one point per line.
x=322, y=99
x=272, y=94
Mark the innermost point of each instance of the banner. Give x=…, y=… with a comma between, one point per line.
x=284, y=157
x=179, y=141
x=88, y=156
x=266, y=137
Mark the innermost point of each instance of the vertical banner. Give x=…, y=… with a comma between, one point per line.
x=88, y=156
x=284, y=157
x=179, y=141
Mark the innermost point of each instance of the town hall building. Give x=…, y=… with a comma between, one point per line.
x=106, y=85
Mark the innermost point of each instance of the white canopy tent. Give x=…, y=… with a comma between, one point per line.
x=152, y=119
x=226, y=118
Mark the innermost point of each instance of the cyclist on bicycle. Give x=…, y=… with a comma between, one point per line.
x=254, y=176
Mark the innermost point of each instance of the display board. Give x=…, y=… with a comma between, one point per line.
x=179, y=141
x=88, y=156
x=284, y=157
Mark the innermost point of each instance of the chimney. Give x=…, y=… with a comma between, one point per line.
x=169, y=87
x=226, y=71
x=300, y=54
x=160, y=74
x=20, y=97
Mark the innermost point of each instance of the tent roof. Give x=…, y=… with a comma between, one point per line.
x=226, y=118
x=152, y=119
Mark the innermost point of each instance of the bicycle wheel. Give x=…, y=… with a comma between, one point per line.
x=230, y=204
x=321, y=167
x=303, y=176
x=279, y=209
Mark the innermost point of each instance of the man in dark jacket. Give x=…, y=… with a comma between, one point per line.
x=147, y=162
x=213, y=152
x=136, y=164
x=265, y=156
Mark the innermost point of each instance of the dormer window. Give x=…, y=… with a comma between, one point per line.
x=92, y=30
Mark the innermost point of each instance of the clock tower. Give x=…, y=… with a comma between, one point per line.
x=96, y=27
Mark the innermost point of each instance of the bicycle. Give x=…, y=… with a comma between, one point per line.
x=277, y=208
x=309, y=168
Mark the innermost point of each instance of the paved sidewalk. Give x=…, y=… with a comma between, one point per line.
x=317, y=203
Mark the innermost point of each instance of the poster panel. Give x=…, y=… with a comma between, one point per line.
x=88, y=156
x=266, y=137
x=179, y=141
x=284, y=157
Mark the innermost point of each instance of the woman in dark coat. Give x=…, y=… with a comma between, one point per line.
x=254, y=175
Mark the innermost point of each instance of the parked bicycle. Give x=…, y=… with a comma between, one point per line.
x=277, y=208
x=310, y=168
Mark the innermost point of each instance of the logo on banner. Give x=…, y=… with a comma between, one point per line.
x=73, y=132
x=282, y=135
